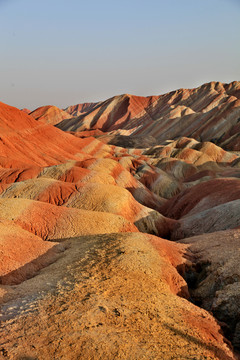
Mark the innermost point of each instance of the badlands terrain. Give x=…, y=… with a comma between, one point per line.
x=120, y=228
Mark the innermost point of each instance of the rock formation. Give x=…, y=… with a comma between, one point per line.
x=210, y=112
x=49, y=114
x=120, y=228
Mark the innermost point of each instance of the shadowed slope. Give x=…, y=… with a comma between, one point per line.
x=221, y=217
x=217, y=277
x=202, y=197
x=120, y=294
x=107, y=290
x=94, y=197
x=22, y=253
x=26, y=141
x=210, y=112
x=76, y=110
x=49, y=114
x=54, y=222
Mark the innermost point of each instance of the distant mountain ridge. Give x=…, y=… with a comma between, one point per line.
x=210, y=112
x=76, y=110
x=49, y=114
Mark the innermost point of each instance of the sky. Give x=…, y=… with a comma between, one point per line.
x=64, y=52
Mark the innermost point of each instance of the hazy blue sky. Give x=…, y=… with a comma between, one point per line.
x=64, y=52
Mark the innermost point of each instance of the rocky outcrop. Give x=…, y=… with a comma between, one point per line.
x=50, y=114
x=210, y=112
x=203, y=196
x=215, y=277
x=76, y=110
x=27, y=111
x=52, y=222
x=81, y=274
x=110, y=296
x=23, y=254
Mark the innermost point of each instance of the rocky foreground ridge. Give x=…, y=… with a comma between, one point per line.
x=120, y=228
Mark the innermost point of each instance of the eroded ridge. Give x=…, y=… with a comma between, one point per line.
x=119, y=234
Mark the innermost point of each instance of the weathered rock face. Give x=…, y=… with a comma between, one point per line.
x=217, y=277
x=76, y=110
x=23, y=254
x=203, y=196
x=27, y=111
x=210, y=112
x=24, y=141
x=49, y=114
x=110, y=296
x=81, y=275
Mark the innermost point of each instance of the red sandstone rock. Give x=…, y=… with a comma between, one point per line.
x=111, y=296
x=76, y=110
x=23, y=254
x=27, y=111
x=207, y=113
x=202, y=197
x=49, y=114
x=94, y=193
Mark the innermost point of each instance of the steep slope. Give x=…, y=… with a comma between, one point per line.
x=81, y=275
x=27, y=111
x=23, y=254
x=94, y=197
x=49, y=114
x=210, y=112
x=52, y=222
x=110, y=297
x=76, y=110
x=214, y=280
x=203, y=196
x=25, y=141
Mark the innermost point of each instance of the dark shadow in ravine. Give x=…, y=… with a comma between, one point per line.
x=215, y=350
